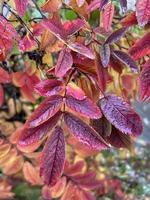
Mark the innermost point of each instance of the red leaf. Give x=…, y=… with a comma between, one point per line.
x=141, y=47
x=126, y=59
x=119, y=140
x=4, y=76
x=100, y=73
x=84, y=133
x=83, y=180
x=129, y=20
x=145, y=82
x=81, y=49
x=84, y=107
x=121, y=115
x=123, y=5
x=64, y=63
x=47, y=109
x=54, y=27
x=105, y=54
x=116, y=64
x=102, y=4
x=75, y=91
x=53, y=157
x=107, y=16
x=73, y=26
x=72, y=169
x=116, y=35
x=27, y=43
x=48, y=88
x=32, y=135
x=1, y=95
x=143, y=11
x=102, y=126
x=21, y=6
x=93, y=5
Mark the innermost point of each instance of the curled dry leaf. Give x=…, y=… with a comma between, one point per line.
x=121, y=115
x=47, y=109
x=53, y=156
x=84, y=133
x=84, y=107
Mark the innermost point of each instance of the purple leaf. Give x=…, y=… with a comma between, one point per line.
x=121, y=115
x=102, y=4
x=64, y=63
x=123, y=5
x=116, y=35
x=105, y=54
x=81, y=49
x=53, y=157
x=85, y=107
x=47, y=109
x=126, y=59
x=119, y=140
x=84, y=133
x=102, y=126
x=32, y=135
x=48, y=88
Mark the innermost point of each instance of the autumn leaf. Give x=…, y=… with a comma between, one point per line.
x=81, y=49
x=64, y=63
x=47, y=109
x=143, y=11
x=53, y=156
x=102, y=4
x=73, y=90
x=93, y=5
x=107, y=16
x=129, y=20
x=121, y=115
x=72, y=27
x=48, y=88
x=141, y=47
x=1, y=95
x=84, y=107
x=116, y=35
x=105, y=54
x=102, y=126
x=119, y=140
x=126, y=59
x=144, y=81
x=21, y=6
x=84, y=133
x=32, y=135
x=51, y=6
